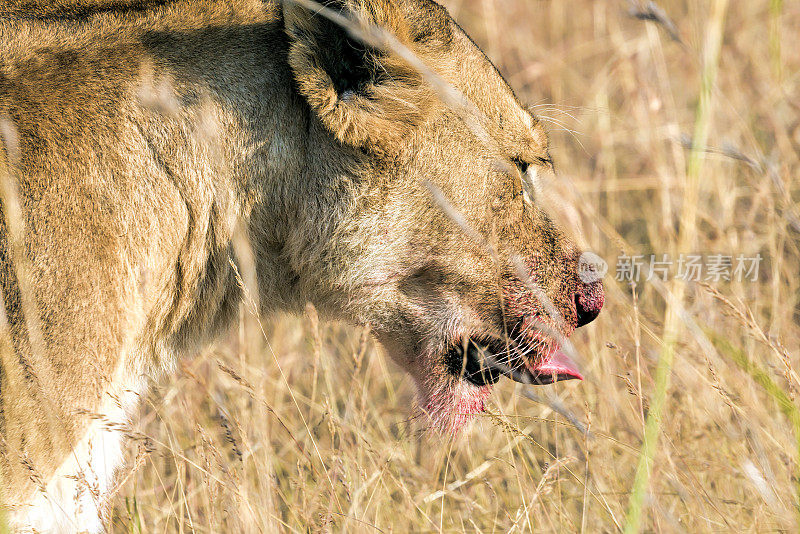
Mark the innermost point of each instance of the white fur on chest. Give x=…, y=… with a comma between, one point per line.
x=77, y=494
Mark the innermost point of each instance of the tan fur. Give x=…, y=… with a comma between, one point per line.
x=137, y=135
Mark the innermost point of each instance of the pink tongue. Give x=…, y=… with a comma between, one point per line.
x=560, y=365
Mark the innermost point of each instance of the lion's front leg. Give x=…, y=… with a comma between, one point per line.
x=77, y=496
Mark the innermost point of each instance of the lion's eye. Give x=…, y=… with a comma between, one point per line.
x=526, y=171
x=521, y=165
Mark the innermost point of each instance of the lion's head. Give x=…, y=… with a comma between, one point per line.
x=442, y=244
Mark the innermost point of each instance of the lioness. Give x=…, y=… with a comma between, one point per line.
x=137, y=137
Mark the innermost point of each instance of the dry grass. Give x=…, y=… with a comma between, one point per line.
x=298, y=425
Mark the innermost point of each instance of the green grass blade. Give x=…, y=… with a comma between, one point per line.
x=686, y=240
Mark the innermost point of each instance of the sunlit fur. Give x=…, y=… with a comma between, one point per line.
x=141, y=138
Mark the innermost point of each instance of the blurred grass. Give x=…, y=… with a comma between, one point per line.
x=306, y=426
x=687, y=235
x=762, y=377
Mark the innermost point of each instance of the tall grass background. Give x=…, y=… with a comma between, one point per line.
x=659, y=127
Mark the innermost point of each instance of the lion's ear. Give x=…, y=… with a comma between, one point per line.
x=367, y=97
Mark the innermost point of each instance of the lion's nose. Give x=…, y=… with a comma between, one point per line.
x=589, y=301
